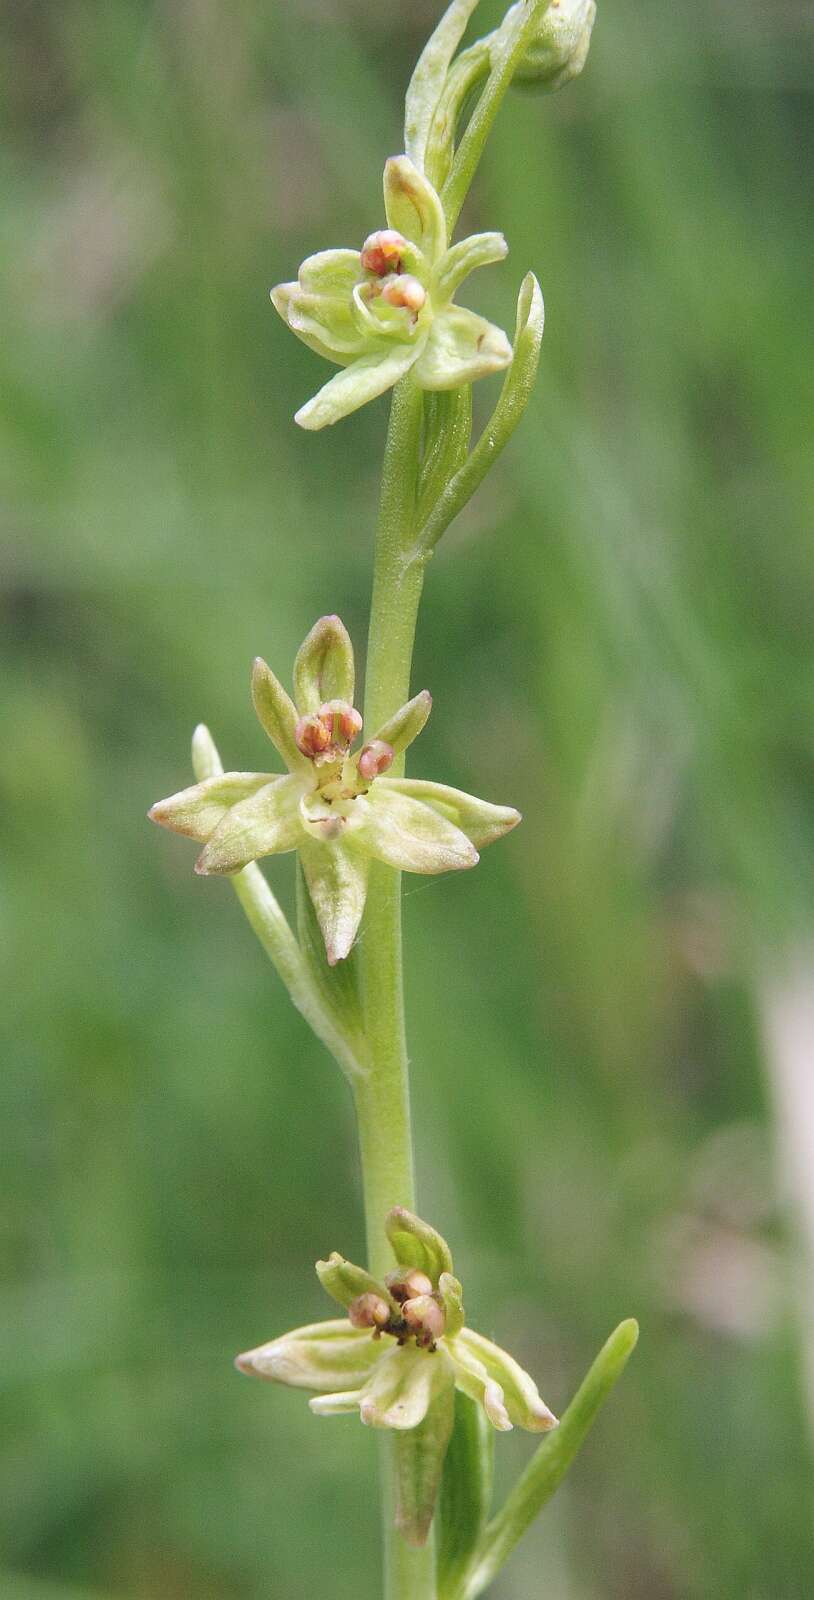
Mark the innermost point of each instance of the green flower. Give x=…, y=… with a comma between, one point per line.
x=400, y=1352
x=388, y=309
x=334, y=806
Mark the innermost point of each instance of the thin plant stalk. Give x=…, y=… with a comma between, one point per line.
x=382, y=1097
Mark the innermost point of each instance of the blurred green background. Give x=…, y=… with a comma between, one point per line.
x=612, y=1021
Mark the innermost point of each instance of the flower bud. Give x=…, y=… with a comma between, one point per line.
x=404, y=290
x=369, y=1311
x=343, y=721
x=559, y=49
x=408, y=1283
x=425, y=1318
x=313, y=735
x=382, y=252
x=375, y=758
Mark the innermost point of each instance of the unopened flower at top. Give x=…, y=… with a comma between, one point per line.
x=336, y=806
x=387, y=309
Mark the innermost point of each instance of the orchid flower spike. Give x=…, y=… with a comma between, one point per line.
x=386, y=309
x=401, y=1349
x=336, y=806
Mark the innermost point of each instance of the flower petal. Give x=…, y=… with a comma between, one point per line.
x=364, y=380
x=266, y=824
x=407, y=723
x=377, y=319
x=345, y=1282
x=472, y=1378
x=479, y=250
x=335, y=1405
x=451, y=1294
x=413, y=207
x=337, y=884
x=277, y=715
x=403, y=1385
x=482, y=822
x=324, y=667
x=460, y=348
x=322, y=1356
x=407, y=834
x=522, y=1398
x=324, y=322
x=416, y=1244
x=331, y=272
x=197, y=811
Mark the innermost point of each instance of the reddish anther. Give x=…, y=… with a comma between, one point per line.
x=312, y=735
x=382, y=252
x=342, y=721
x=404, y=291
x=369, y=1311
x=375, y=758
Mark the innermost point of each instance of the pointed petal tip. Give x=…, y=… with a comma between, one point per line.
x=544, y=1419
x=244, y=1363
x=206, y=868
x=338, y=950
x=305, y=418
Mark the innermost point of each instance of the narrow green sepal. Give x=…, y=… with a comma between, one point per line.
x=402, y=1387
x=336, y=879
x=206, y=762
x=413, y=207
x=365, y=379
x=408, y=835
x=344, y=1282
x=407, y=723
x=521, y=1397
x=416, y=1244
x=324, y=1356
x=277, y=714
x=419, y=1465
x=481, y=822
x=266, y=823
x=466, y=1493
x=324, y=667
x=338, y=984
x=461, y=347
x=479, y=250
x=199, y=810
x=451, y=1294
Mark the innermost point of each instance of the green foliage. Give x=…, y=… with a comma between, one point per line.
x=594, y=1122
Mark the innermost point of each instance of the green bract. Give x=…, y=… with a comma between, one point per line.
x=388, y=309
x=399, y=1354
x=334, y=806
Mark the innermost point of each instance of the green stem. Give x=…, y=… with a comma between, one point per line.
x=382, y=1097
x=509, y=53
